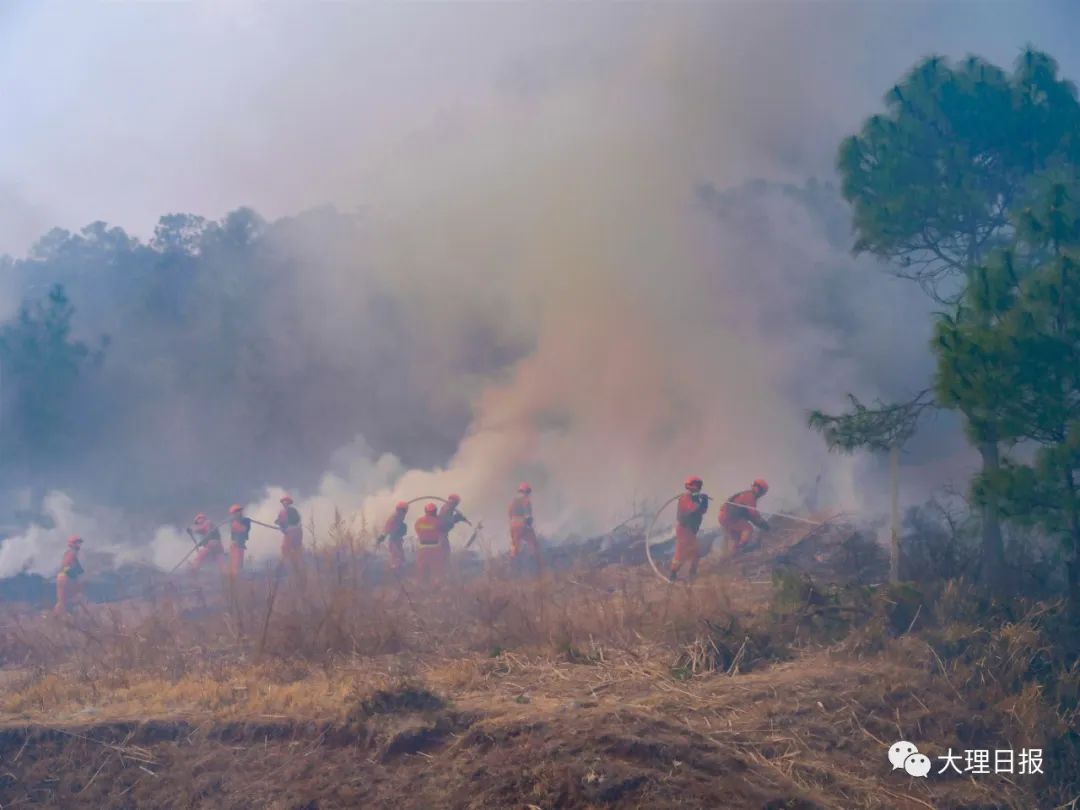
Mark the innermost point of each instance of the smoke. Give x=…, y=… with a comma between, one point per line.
x=651, y=360
x=109, y=539
x=560, y=207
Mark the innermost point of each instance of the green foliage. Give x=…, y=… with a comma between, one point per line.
x=40, y=367
x=1010, y=359
x=933, y=181
x=955, y=171
x=879, y=428
x=179, y=234
x=241, y=351
x=936, y=182
x=976, y=371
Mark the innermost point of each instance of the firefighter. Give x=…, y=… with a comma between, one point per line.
x=292, y=539
x=739, y=515
x=449, y=517
x=207, y=537
x=68, y=587
x=239, y=532
x=691, y=509
x=429, y=556
x=395, y=531
x=521, y=525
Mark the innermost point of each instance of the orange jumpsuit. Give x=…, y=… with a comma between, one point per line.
x=690, y=510
x=239, y=532
x=449, y=517
x=395, y=530
x=430, y=561
x=68, y=587
x=739, y=516
x=521, y=527
x=210, y=547
x=292, y=539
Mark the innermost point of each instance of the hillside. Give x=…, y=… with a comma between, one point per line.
x=596, y=686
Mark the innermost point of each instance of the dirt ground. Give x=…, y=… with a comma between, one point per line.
x=595, y=688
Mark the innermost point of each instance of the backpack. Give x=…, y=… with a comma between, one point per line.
x=736, y=511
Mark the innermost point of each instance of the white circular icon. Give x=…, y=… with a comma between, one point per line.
x=899, y=752
x=917, y=764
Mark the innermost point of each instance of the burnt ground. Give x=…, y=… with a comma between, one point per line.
x=446, y=760
x=598, y=688
x=797, y=737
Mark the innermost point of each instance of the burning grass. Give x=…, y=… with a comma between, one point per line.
x=588, y=688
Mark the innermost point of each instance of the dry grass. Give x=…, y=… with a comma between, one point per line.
x=588, y=688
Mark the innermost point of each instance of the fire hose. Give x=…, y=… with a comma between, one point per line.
x=648, y=537
x=410, y=503
x=184, y=559
x=443, y=500
x=475, y=532
x=426, y=498
x=197, y=545
x=673, y=498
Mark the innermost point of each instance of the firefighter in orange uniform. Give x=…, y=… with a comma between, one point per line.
x=739, y=516
x=292, y=536
x=208, y=539
x=521, y=525
x=68, y=587
x=691, y=509
x=239, y=532
x=394, y=531
x=429, y=556
x=449, y=517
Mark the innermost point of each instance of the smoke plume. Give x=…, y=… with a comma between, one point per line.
x=574, y=247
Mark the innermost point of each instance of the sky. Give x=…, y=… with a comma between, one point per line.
x=543, y=164
x=122, y=111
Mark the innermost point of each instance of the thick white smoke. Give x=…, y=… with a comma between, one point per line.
x=571, y=218
x=651, y=361
x=537, y=172
x=110, y=540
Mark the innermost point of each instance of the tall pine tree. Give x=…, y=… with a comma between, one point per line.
x=935, y=184
x=1017, y=356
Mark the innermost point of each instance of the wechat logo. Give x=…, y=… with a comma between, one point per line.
x=904, y=755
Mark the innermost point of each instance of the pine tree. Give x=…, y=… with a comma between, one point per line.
x=40, y=366
x=935, y=184
x=1017, y=360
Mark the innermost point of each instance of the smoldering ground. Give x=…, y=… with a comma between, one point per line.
x=558, y=268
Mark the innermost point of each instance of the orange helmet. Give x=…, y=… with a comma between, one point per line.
x=454, y=499
x=235, y=509
x=524, y=488
x=693, y=482
x=761, y=484
x=286, y=499
x=74, y=541
x=402, y=506
x=430, y=508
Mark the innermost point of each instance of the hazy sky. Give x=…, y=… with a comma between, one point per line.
x=124, y=111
